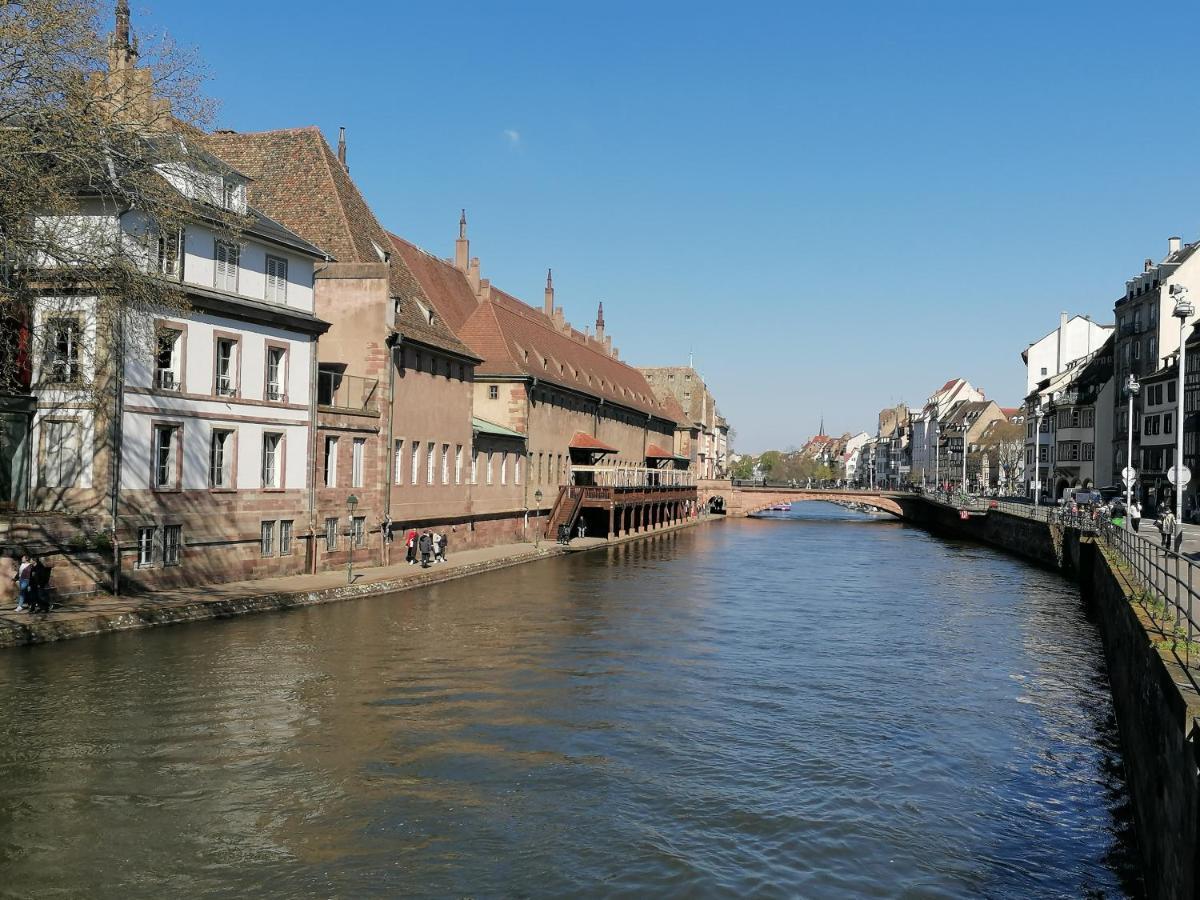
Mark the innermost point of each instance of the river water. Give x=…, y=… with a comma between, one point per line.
x=822, y=705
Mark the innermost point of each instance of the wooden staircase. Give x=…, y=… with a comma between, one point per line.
x=566, y=509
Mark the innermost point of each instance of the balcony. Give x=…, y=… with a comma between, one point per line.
x=351, y=393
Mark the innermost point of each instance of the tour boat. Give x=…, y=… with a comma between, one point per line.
x=780, y=507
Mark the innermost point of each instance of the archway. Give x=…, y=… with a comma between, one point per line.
x=716, y=505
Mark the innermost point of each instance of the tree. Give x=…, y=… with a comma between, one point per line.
x=1004, y=445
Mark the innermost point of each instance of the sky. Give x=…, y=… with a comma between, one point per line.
x=831, y=207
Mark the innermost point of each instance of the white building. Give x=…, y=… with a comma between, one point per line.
x=926, y=428
x=1074, y=338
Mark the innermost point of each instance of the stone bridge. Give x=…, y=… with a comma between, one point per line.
x=741, y=500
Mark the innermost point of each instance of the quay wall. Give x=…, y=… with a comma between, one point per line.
x=1155, y=704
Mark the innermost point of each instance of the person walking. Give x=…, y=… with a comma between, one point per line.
x=410, y=546
x=41, y=586
x=24, y=583
x=1167, y=526
x=445, y=543
x=1135, y=515
x=425, y=545
x=437, y=547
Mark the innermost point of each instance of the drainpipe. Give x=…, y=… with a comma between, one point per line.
x=313, y=378
x=529, y=389
x=394, y=342
x=117, y=430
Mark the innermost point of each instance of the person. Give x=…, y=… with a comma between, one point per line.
x=445, y=542
x=582, y=528
x=1166, y=525
x=564, y=533
x=41, y=586
x=385, y=529
x=437, y=547
x=24, y=583
x=410, y=545
x=1135, y=514
x=425, y=545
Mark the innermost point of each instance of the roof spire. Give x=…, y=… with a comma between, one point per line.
x=462, y=247
x=548, y=303
x=342, y=147
x=550, y=279
x=821, y=433
x=600, y=317
x=462, y=224
x=121, y=34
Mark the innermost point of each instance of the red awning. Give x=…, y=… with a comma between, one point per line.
x=653, y=451
x=583, y=441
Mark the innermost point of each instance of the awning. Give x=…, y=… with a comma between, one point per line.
x=584, y=441
x=483, y=426
x=653, y=451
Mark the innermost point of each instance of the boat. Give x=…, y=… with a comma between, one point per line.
x=780, y=507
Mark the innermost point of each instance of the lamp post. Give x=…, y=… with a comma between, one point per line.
x=1038, y=412
x=964, y=456
x=1131, y=390
x=351, y=505
x=537, y=532
x=1183, y=312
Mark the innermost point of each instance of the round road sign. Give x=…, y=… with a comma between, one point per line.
x=1182, y=478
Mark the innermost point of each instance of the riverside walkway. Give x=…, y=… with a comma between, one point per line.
x=81, y=616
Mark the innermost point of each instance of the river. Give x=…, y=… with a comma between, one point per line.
x=820, y=705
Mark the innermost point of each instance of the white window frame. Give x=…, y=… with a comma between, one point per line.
x=276, y=359
x=489, y=467
x=504, y=467
x=227, y=257
x=358, y=451
x=445, y=463
x=416, y=464
x=430, y=448
x=286, y=530
x=145, y=546
x=225, y=368
x=331, y=534
x=276, y=278
x=458, y=463
x=223, y=448
x=266, y=540
x=272, y=460
x=168, y=465
x=398, y=462
x=331, y=454
x=474, y=465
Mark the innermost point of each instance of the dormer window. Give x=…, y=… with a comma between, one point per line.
x=170, y=252
x=233, y=195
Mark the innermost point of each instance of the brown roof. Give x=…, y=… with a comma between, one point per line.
x=514, y=338
x=584, y=441
x=653, y=451
x=297, y=179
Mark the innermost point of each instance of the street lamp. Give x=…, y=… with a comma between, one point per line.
x=1183, y=312
x=537, y=531
x=1038, y=412
x=1131, y=389
x=351, y=505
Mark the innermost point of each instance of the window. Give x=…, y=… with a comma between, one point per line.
x=489, y=466
x=166, y=457
x=170, y=253
x=1088, y=419
x=429, y=461
x=517, y=459
x=331, y=534
x=220, y=459
x=285, y=537
x=331, y=449
x=398, y=462
x=226, y=276
x=225, y=381
x=272, y=453
x=474, y=467
x=445, y=463
x=1088, y=452
x=416, y=464
x=267, y=542
x=539, y=471
x=493, y=392
x=276, y=279
x=358, y=531
x=356, y=462
x=229, y=196
x=145, y=546
x=60, y=454
x=1171, y=391
x=167, y=368
x=276, y=372
x=1167, y=423
x=172, y=541
x=1043, y=371
x=458, y=463
x=504, y=467
x=63, y=335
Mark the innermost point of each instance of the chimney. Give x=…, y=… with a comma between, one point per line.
x=608, y=347
x=485, y=289
x=462, y=246
x=1061, y=362
x=548, y=303
x=600, y=322
x=1173, y=245
x=560, y=319
x=342, y=147
x=1148, y=264
x=473, y=274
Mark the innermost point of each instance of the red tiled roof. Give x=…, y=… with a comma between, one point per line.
x=584, y=441
x=514, y=338
x=1009, y=411
x=297, y=180
x=653, y=451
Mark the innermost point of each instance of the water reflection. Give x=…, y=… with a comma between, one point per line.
x=826, y=706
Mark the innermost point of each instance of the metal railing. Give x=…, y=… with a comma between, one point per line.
x=351, y=392
x=1165, y=584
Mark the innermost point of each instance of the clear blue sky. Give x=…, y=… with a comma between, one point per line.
x=836, y=206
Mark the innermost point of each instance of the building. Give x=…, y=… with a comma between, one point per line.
x=590, y=421
x=927, y=468
x=1073, y=414
x=703, y=437
x=852, y=471
x=1146, y=332
x=1075, y=337
x=961, y=433
x=395, y=385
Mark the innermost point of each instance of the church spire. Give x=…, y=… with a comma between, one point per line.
x=600, y=322
x=462, y=247
x=548, y=301
x=821, y=433
x=121, y=34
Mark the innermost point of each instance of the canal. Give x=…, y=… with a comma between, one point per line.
x=827, y=705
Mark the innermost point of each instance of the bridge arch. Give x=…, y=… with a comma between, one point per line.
x=745, y=500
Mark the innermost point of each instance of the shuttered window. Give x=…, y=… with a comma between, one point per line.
x=276, y=279
x=227, y=256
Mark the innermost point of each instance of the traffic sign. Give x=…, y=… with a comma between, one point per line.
x=1128, y=474
x=1185, y=475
